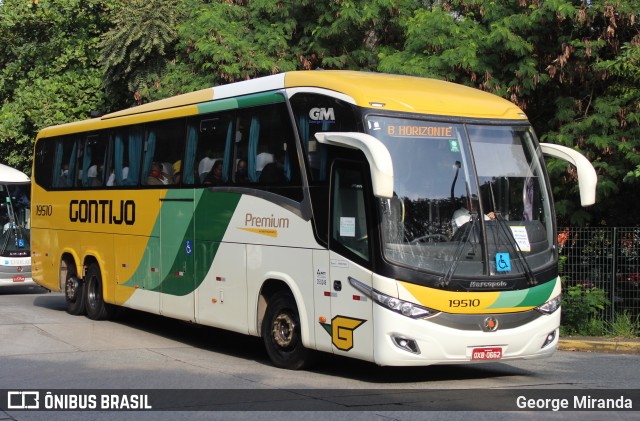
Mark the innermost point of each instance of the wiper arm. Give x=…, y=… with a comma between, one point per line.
x=466, y=236
x=504, y=227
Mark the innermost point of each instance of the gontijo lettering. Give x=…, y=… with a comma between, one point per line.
x=419, y=131
x=103, y=211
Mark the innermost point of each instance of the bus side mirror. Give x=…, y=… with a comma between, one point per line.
x=587, y=177
x=377, y=155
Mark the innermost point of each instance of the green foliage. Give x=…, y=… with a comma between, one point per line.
x=624, y=326
x=135, y=51
x=229, y=41
x=48, y=69
x=224, y=41
x=572, y=66
x=580, y=306
x=594, y=326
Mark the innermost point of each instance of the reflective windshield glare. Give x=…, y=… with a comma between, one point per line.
x=468, y=200
x=15, y=207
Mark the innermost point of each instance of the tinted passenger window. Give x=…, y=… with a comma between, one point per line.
x=266, y=143
x=162, y=155
x=319, y=113
x=210, y=140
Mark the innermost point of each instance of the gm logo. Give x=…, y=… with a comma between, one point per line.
x=23, y=400
x=322, y=114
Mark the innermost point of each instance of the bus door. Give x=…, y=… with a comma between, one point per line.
x=351, y=323
x=177, y=259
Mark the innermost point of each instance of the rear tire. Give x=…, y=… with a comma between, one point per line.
x=97, y=309
x=281, y=334
x=74, y=292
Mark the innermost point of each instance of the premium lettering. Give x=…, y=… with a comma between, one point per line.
x=113, y=212
x=265, y=221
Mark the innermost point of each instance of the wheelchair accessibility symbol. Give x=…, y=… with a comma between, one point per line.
x=503, y=262
x=188, y=248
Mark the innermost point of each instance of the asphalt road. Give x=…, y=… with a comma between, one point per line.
x=44, y=348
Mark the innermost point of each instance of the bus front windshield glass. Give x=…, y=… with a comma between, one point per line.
x=15, y=224
x=469, y=200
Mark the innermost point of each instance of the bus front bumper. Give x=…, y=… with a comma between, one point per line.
x=402, y=341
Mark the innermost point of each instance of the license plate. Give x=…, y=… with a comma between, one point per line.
x=19, y=279
x=486, y=354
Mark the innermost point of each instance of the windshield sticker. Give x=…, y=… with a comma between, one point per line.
x=453, y=145
x=347, y=226
x=521, y=237
x=503, y=262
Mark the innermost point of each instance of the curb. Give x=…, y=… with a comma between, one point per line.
x=619, y=346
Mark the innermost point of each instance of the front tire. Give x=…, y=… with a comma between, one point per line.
x=74, y=292
x=281, y=333
x=97, y=309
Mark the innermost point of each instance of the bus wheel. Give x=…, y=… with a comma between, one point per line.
x=74, y=293
x=281, y=333
x=97, y=309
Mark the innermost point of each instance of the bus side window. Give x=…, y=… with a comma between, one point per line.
x=210, y=140
x=94, y=160
x=315, y=113
x=163, y=148
x=65, y=162
x=349, y=228
x=272, y=157
x=45, y=174
x=126, y=156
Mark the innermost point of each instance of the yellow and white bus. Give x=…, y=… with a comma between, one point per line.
x=398, y=220
x=15, y=224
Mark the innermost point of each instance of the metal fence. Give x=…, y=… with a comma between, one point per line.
x=606, y=258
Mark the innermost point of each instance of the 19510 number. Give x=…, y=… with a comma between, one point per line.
x=464, y=303
x=44, y=210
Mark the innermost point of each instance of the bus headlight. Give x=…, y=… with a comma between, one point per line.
x=405, y=308
x=550, y=306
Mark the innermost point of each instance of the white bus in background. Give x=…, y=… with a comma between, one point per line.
x=15, y=226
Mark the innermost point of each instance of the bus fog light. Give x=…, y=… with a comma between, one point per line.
x=406, y=344
x=550, y=338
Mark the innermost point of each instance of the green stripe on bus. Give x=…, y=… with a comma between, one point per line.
x=539, y=295
x=188, y=245
x=532, y=297
x=263, y=98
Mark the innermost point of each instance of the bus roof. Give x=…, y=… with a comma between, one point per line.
x=369, y=90
x=11, y=175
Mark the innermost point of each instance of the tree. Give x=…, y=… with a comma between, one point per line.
x=223, y=41
x=135, y=51
x=49, y=74
x=571, y=65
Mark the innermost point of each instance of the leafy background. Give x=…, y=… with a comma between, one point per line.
x=572, y=66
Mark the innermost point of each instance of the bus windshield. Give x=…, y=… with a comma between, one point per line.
x=469, y=199
x=14, y=220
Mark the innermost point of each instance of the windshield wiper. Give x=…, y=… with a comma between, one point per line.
x=511, y=241
x=465, y=238
x=508, y=233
